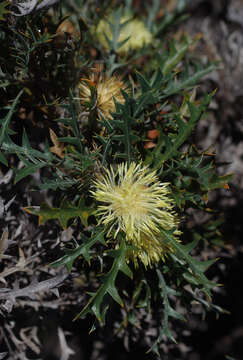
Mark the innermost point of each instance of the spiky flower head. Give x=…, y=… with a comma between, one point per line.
x=136, y=202
x=107, y=89
x=134, y=30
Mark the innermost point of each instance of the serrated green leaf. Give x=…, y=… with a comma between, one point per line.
x=63, y=214
x=144, y=84
x=34, y=155
x=4, y=130
x=184, y=130
x=115, y=296
x=197, y=268
x=98, y=304
x=137, y=292
x=176, y=55
x=22, y=173
x=171, y=18
x=204, y=265
x=168, y=312
x=83, y=249
x=175, y=314
x=70, y=140
x=212, y=182
x=58, y=183
x=190, y=278
x=188, y=81
x=190, y=246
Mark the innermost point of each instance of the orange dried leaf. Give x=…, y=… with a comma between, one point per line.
x=58, y=147
x=149, y=145
x=153, y=134
x=66, y=27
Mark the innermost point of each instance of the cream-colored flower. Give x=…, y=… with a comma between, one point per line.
x=107, y=88
x=134, y=30
x=137, y=203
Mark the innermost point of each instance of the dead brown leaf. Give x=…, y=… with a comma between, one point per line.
x=58, y=147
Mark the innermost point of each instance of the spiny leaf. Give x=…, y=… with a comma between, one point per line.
x=184, y=130
x=121, y=132
x=190, y=246
x=6, y=120
x=187, y=80
x=197, y=268
x=176, y=55
x=168, y=311
x=61, y=183
x=63, y=214
x=73, y=122
x=83, y=249
x=215, y=181
x=30, y=169
x=98, y=304
x=197, y=166
x=171, y=18
x=26, y=150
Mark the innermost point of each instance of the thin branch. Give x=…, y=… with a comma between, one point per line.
x=34, y=288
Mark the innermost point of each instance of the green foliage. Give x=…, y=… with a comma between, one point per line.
x=119, y=131
x=170, y=18
x=97, y=304
x=3, y=10
x=5, y=130
x=195, y=269
x=169, y=145
x=80, y=250
x=168, y=311
x=64, y=213
x=60, y=143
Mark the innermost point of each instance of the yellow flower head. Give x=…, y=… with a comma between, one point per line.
x=134, y=30
x=135, y=202
x=107, y=88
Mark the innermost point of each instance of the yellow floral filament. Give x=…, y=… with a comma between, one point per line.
x=136, y=202
x=134, y=31
x=107, y=88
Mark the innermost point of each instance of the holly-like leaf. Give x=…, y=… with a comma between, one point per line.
x=195, y=274
x=64, y=213
x=214, y=181
x=29, y=169
x=80, y=250
x=98, y=304
x=184, y=130
x=168, y=312
x=176, y=54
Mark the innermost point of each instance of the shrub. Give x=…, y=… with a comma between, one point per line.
x=104, y=116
